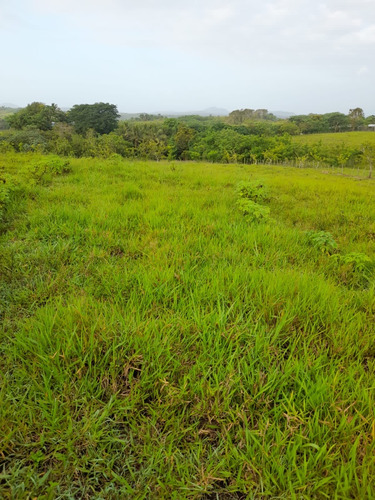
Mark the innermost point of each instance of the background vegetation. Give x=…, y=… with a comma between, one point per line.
x=245, y=136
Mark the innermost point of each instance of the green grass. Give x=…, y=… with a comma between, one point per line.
x=337, y=139
x=4, y=111
x=158, y=344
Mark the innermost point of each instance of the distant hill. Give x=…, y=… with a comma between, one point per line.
x=7, y=110
x=9, y=105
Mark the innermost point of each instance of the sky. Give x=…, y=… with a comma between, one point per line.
x=301, y=56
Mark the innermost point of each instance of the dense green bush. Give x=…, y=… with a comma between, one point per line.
x=253, y=190
x=25, y=140
x=253, y=211
x=52, y=165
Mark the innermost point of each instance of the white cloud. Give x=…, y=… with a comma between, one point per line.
x=278, y=30
x=317, y=43
x=363, y=70
x=367, y=35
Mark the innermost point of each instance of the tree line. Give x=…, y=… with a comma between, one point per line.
x=101, y=117
x=245, y=136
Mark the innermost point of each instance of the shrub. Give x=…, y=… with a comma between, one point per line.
x=5, y=147
x=26, y=140
x=253, y=211
x=250, y=190
x=59, y=166
x=39, y=170
x=323, y=241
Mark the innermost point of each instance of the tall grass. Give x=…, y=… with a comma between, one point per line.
x=156, y=343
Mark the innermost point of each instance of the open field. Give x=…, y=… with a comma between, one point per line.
x=339, y=138
x=5, y=111
x=157, y=343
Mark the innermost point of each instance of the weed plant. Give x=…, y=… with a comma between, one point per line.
x=250, y=195
x=323, y=241
x=157, y=344
x=253, y=211
x=253, y=190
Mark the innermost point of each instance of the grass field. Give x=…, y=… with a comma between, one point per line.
x=5, y=111
x=330, y=139
x=157, y=343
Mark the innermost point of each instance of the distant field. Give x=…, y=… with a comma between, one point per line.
x=6, y=112
x=347, y=138
x=157, y=343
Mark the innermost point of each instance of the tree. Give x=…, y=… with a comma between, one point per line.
x=336, y=122
x=286, y=127
x=238, y=116
x=101, y=117
x=370, y=119
x=146, y=117
x=36, y=115
x=182, y=139
x=356, y=116
x=4, y=125
x=368, y=151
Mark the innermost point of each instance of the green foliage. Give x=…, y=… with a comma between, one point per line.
x=100, y=117
x=36, y=115
x=182, y=139
x=6, y=111
x=253, y=211
x=356, y=117
x=41, y=169
x=316, y=123
x=323, y=241
x=4, y=125
x=359, y=261
x=253, y=190
x=239, y=116
x=147, y=117
x=250, y=194
x=5, y=147
x=24, y=140
x=95, y=132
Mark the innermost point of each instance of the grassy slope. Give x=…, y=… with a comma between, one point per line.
x=347, y=138
x=157, y=345
x=7, y=111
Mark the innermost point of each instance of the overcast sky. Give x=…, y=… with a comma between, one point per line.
x=146, y=55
